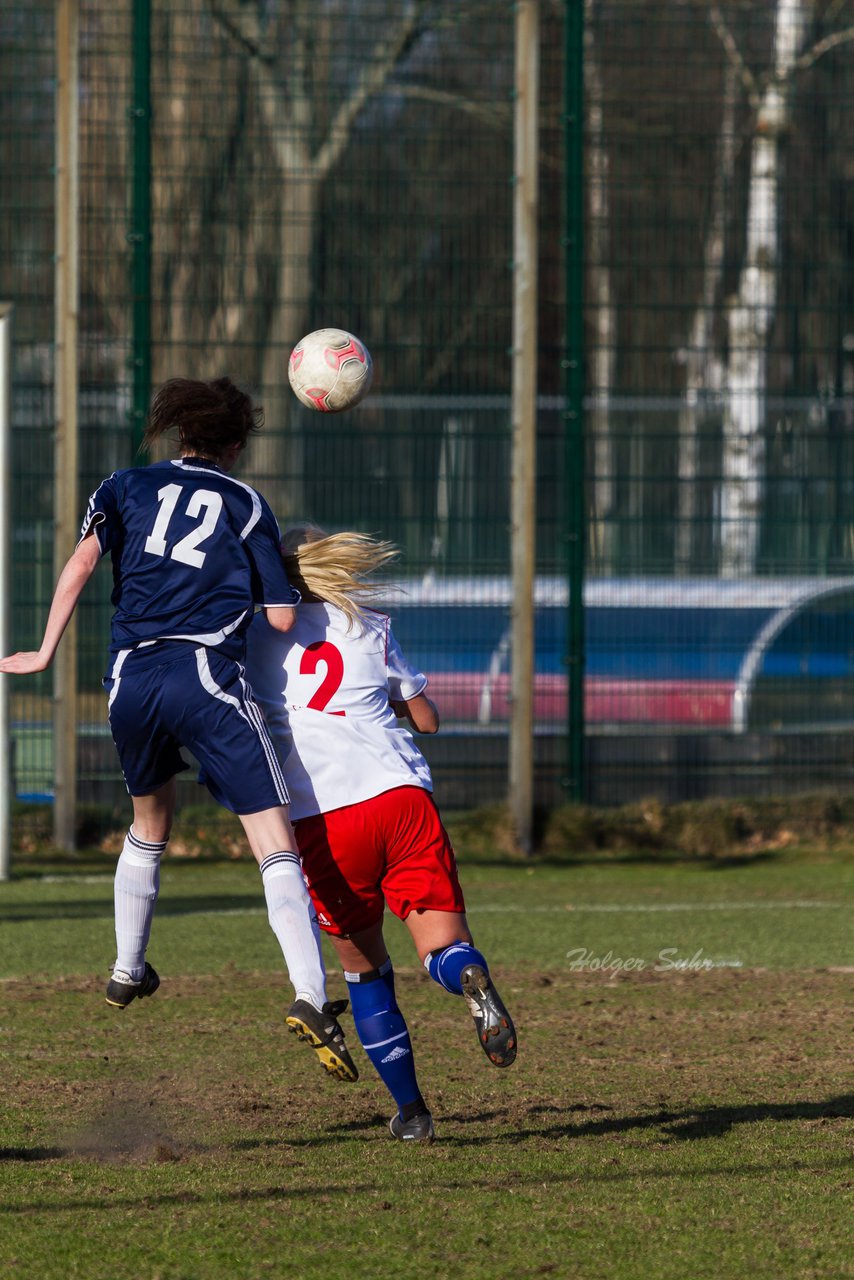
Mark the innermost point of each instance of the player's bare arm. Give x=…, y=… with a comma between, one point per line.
x=77, y=572
x=421, y=712
x=282, y=617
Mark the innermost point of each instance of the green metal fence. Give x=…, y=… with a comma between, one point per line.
x=250, y=171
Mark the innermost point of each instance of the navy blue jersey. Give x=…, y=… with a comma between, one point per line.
x=193, y=550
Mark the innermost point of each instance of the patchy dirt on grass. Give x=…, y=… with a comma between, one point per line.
x=207, y=1069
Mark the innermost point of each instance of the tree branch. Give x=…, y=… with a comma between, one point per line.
x=716, y=18
x=491, y=113
x=821, y=47
x=459, y=336
x=833, y=9
x=278, y=106
x=242, y=25
x=371, y=79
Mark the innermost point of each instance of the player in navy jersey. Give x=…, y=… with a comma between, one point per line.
x=337, y=692
x=194, y=552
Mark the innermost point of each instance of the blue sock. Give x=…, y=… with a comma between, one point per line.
x=446, y=966
x=384, y=1035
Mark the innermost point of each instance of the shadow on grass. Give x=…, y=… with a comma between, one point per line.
x=26, y=867
x=640, y=858
x=422, y=1152
x=32, y=1153
x=706, y=1122
x=89, y=909
x=336, y=1133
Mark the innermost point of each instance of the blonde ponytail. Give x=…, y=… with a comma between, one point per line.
x=334, y=567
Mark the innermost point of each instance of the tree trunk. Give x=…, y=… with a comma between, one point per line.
x=604, y=353
x=751, y=312
x=703, y=366
x=292, y=105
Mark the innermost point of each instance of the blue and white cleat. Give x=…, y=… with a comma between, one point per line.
x=495, y=1029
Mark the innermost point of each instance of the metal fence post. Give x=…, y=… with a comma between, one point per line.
x=67, y=514
x=574, y=391
x=5, y=587
x=140, y=230
x=523, y=475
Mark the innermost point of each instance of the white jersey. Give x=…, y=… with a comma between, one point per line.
x=325, y=693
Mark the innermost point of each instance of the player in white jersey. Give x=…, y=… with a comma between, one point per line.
x=340, y=698
x=194, y=551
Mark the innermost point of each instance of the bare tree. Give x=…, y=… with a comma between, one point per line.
x=255, y=105
x=704, y=372
x=603, y=356
x=291, y=98
x=751, y=311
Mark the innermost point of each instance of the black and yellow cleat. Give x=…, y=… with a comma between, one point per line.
x=320, y=1028
x=495, y=1029
x=122, y=988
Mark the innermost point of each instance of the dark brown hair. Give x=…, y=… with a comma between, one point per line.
x=209, y=417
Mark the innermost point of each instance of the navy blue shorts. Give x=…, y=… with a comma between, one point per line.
x=174, y=695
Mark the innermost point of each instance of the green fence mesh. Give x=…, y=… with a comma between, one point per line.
x=352, y=163
x=26, y=236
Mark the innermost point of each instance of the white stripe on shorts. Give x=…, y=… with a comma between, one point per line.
x=256, y=715
x=250, y=713
x=115, y=675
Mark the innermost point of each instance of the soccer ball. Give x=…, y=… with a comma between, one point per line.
x=330, y=370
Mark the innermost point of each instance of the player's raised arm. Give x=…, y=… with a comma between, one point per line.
x=77, y=572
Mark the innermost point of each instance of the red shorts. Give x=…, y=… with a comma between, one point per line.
x=391, y=848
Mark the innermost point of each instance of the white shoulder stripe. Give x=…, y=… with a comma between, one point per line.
x=90, y=524
x=247, y=488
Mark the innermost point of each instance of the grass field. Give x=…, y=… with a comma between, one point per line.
x=680, y=1108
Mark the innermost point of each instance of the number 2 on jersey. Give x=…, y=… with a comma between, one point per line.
x=325, y=652
x=187, y=550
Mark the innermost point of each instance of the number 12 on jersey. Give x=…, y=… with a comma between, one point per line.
x=187, y=550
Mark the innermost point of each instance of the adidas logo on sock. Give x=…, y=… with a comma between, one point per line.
x=397, y=1052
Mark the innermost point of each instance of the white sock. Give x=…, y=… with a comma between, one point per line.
x=292, y=920
x=135, y=890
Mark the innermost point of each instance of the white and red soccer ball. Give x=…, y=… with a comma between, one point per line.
x=330, y=370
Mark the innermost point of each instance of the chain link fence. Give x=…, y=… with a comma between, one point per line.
x=351, y=163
